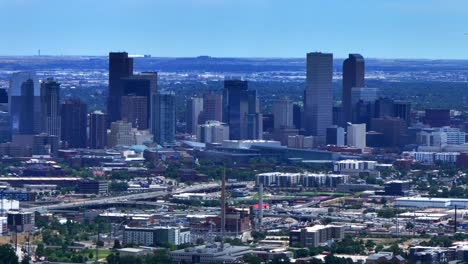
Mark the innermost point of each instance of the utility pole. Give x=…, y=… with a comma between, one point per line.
x=455, y=224
x=223, y=207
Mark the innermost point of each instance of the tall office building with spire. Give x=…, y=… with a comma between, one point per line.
x=353, y=77
x=318, y=96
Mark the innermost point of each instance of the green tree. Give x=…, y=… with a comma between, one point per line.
x=379, y=248
x=251, y=259
x=7, y=254
x=26, y=260
x=409, y=225
x=301, y=253
x=40, y=249
x=117, y=244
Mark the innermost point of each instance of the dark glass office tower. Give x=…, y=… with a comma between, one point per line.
x=50, y=107
x=297, y=116
x=233, y=92
x=241, y=111
x=164, y=118
x=134, y=111
x=74, y=120
x=402, y=110
x=318, y=103
x=143, y=84
x=120, y=66
x=97, y=130
x=353, y=76
x=26, y=116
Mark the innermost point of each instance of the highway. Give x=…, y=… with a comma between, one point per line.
x=131, y=197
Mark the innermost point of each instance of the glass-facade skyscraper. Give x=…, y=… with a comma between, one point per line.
x=318, y=103
x=241, y=111
x=353, y=77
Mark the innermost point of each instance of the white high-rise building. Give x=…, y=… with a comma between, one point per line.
x=318, y=108
x=121, y=134
x=194, y=108
x=356, y=135
x=283, y=113
x=213, y=132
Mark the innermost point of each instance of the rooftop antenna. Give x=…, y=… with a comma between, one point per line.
x=223, y=206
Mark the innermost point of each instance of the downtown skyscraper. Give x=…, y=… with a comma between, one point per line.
x=97, y=130
x=353, y=77
x=50, y=107
x=74, y=122
x=120, y=66
x=164, y=119
x=24, y=103
x=241, y=111
x=318, y=95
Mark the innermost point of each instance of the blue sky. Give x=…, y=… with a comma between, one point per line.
x=236, y=28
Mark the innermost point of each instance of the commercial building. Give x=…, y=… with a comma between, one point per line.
x=74, y=123
x=211, y=253
x=97, y=130
x=311, y=180
x=393, y=130
x=431, y=157
x=353, y=76
x=45, y=144
x=20, y=221
x=50, y=107
x=440, y=137
x=297, y=116
x=283, y=113
x=120, y=134
x=318, y=94
x=134, y=111
x=437, y=117
x=24, y=103
x=212, y=132
x=5, y=127
x=402, y=110
x=355, y=167
x=315, y=235
x=241, y=111
x=8, y=205
x=396, y=187
x=212, y=108
x=356, y=135
x=193, y=110
x=154, y=236
x=363, y=104
x=335, y=136
x=425, y=202
x=301, y=142
x=163, y=118
x=120, y=66
x=93, y=186
x=144, y=84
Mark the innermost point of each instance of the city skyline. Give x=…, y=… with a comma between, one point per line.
x=383, y=29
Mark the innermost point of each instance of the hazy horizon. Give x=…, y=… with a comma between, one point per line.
x=418, y=29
